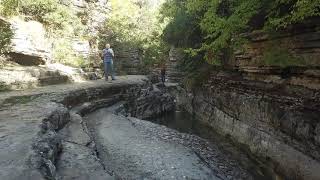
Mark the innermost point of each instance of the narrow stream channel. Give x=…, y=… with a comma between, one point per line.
x=184, y=122
x=173, y=146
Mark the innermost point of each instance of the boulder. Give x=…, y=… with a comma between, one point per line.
x=149, y=103
x=16, y=77
x=29, y=44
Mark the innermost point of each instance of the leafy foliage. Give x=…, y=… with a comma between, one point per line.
x=5, y=36
x=58, y=17
x=212, y=29
x=287, y=12
x=60, y=20
x=64, y=54
x=182, y=29
x=223, y=22
x=134, y=24
x=37, y=9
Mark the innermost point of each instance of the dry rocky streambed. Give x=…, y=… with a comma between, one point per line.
x=93, y=130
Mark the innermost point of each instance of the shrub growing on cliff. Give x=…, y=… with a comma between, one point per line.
x=36, y=9
x=6, y=35
x=63, y=53
x=223, y=22
x=53, y=14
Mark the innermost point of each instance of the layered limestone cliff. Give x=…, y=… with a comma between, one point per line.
x=32, y=45
x=299, y=42
x=278, y=124
x=272, y=111
x=128, y=61
x=30, y=61
x=174, y=75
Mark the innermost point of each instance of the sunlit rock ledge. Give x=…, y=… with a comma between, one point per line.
x=31, y=119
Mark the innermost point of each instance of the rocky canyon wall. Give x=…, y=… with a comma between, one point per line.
x=278, y=124
x=32, y=44
x=128, y=61
x=174, y=75
x=272, y=111
x=35, y=52
x=297, y=45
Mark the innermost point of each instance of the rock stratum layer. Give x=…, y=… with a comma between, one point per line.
x=278, y=122
x=266, y=97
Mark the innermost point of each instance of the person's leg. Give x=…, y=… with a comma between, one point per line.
x=112, y=71
x=163, y=78
x=106, y=70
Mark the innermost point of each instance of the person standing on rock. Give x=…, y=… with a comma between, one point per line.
x=108, y=56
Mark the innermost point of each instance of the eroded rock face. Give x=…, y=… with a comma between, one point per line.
x=149, y=103
x=176, y=55
x=128, y=61
x=16, y=77
x=81, y=47
x=48, y=144
x=278, y=123
x=31, y=120
x=96, y=13
x=301, y=41
x=29, y=44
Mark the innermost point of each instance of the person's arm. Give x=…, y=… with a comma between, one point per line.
x=111, y=51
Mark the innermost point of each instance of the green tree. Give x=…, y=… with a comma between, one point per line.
x=134, y=24
x=223, y=22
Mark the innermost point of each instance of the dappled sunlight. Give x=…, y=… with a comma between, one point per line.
x=160, y=89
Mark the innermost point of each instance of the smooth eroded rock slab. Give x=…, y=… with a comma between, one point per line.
x=133, y=155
